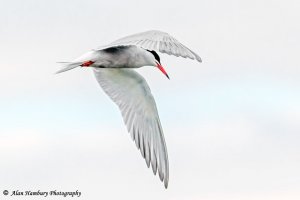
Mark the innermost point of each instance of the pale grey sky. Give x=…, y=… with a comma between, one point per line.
x=231, y=123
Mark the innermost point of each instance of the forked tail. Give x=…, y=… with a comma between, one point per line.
x=68, y=66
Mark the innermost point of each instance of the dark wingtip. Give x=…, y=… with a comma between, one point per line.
x=166, y=184
x=199, y=59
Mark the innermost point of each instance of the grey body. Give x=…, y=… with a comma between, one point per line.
x=129, y=56
x=123, y=57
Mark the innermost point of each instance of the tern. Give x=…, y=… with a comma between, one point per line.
x=113, y=68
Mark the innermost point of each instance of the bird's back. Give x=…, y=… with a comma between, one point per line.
x=123, y=57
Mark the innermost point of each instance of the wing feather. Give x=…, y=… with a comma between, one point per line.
x=132, y=94
x=157, y=41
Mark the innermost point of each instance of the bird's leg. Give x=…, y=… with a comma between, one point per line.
x=87, y=63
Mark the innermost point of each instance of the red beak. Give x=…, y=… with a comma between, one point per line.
x=162, y=70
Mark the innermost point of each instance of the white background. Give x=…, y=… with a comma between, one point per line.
x=231, y=123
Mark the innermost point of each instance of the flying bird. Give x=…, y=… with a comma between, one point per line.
x=113, y=68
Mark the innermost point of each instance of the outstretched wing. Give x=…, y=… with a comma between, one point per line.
x=157, y=41
x=131, y=93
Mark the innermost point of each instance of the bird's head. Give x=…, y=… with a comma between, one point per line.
x=156, y=63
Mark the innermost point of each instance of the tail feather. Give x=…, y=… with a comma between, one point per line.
x=68, y=66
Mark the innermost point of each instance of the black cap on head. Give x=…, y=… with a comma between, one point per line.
x=156, y=56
